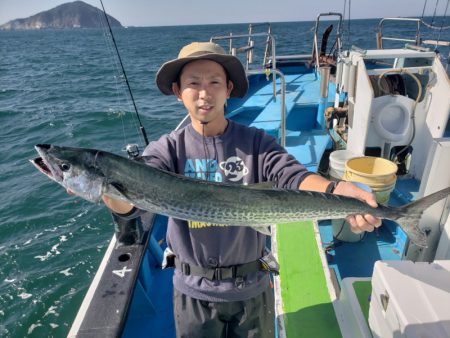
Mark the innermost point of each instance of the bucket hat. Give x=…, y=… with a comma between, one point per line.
x=170, y=70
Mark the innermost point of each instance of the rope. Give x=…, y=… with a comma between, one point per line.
x=435, y=27
x=443, y=19
x=348, y=26
x=434, y=13
x=431, y=26
x=423, y=11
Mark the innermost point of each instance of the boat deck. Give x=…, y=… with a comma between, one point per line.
x=304, y=292
x=305, y=138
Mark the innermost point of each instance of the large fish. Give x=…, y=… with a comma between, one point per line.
x=92, y=173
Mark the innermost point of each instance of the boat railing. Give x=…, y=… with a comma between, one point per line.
x=248, y=49
x=272, y=70
x=417, y=39
x=417, y=42
x=315, y=49
x=250, y=42
x=381, y=38
x=276, y=72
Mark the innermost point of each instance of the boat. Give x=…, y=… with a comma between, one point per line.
x=386, y=103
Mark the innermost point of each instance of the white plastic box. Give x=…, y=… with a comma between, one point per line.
x=410, y=299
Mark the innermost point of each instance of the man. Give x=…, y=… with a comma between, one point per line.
x=220, y=288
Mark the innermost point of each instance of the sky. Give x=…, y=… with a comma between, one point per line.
x=186, y=12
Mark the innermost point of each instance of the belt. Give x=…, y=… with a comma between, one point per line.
x=219, y=273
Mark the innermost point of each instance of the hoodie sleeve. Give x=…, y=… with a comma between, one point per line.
x=161, y=154
x=278, y=166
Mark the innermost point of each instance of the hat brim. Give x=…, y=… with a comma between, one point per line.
x=169, y=71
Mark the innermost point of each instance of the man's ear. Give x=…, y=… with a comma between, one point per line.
x=229, y=88
x=176, y=90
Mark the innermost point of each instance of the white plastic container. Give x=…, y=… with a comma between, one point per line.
x=410, y=300
x=350, y=316
x=338, y=158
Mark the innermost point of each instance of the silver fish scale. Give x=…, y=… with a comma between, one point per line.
x=238, y=205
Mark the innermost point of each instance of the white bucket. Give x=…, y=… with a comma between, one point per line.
x=338, y=158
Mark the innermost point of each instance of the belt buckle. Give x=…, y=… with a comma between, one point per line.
x=221, y=273
x=217, y=274
x=185, y=269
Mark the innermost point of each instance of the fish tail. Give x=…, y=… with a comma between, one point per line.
x=409, y=215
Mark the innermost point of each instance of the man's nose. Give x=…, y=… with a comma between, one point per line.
x=204, y=90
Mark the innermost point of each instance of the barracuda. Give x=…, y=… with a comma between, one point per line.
x=91, y=173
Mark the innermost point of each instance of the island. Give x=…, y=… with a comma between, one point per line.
x=77, y=14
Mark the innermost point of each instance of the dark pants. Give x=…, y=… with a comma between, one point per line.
x=251, y=318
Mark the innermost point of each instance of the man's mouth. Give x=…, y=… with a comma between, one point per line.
x=205, y=107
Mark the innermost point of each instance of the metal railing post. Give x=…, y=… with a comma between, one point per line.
x=276, y=72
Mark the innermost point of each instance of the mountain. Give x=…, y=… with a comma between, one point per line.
x=77, y=14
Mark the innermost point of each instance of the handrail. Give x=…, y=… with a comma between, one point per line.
x=233, y=50
x=315, y=50
x=417, y=40
x=270, y=43
x=276, y=72
x=240, y=36
x=380, y=36
x=268, y=40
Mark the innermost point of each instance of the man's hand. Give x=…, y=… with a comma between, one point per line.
x=117, y=206
x=359, y=223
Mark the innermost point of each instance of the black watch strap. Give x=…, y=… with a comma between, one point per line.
x=331, y=187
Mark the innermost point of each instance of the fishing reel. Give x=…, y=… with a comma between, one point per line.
x=132, y=150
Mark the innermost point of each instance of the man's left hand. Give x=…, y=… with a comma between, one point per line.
x=364, y=222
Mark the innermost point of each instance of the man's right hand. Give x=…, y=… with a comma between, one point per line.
x=117, y=206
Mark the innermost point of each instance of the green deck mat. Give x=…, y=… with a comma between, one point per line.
x=307, y=305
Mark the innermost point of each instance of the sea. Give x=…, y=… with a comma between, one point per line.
x=66, y=87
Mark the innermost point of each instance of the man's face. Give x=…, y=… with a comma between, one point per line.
x=203, y=90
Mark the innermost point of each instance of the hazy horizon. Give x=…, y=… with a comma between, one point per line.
x=141, y=13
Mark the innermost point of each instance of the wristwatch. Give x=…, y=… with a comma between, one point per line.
x=332, y=186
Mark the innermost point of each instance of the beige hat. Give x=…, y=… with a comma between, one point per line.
x=170, y=70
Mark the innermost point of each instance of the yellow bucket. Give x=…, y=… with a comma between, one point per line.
x=378, y=173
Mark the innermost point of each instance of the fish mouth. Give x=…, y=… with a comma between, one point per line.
x=40, y=164
x=43, y=165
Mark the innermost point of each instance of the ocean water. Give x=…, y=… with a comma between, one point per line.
x=64, y=87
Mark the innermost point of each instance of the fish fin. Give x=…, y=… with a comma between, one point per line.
x=264, y=229
x=262, y=185
x=408, y=216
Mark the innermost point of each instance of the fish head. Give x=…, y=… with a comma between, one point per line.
x=73, y=168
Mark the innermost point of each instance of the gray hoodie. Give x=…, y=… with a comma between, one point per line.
x=241, y=155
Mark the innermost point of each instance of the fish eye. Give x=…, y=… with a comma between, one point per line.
x=65, y=166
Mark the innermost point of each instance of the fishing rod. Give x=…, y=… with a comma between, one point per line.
x=141, y=127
